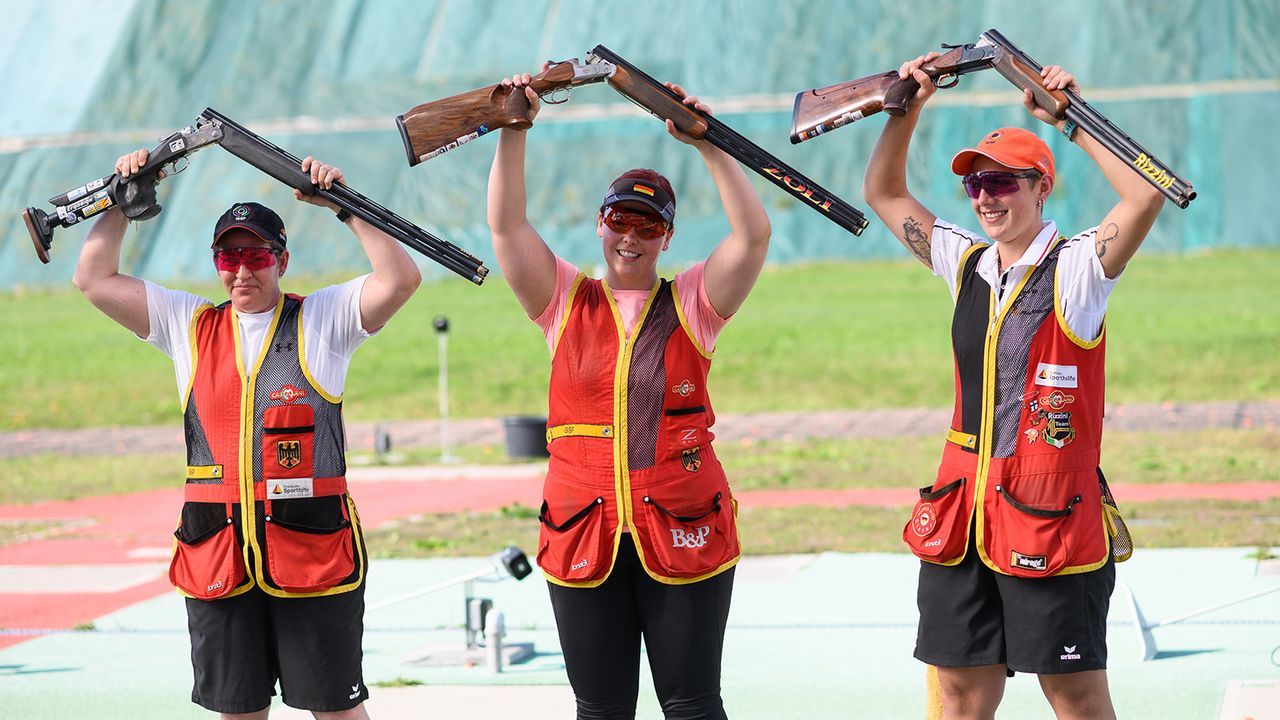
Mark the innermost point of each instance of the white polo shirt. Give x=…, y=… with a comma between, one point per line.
x=1083, y=286
x=330, y=324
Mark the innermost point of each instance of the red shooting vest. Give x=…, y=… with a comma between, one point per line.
x=1021, y=460
x=266, y=499
x=628, y=431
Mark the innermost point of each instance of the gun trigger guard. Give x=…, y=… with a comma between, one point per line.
x=949, y=80
x=174, y=167
x=559, y=96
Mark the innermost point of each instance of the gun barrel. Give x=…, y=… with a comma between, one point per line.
x=1105, y=132
x=286, y=167
x=755, y=157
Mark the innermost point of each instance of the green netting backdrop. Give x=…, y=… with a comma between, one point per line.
x=84, y=81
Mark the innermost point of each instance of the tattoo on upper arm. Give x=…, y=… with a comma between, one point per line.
x=1109, y=233
x=916, y=240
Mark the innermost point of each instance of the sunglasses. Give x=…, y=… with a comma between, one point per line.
x=645, y=227
x=253, y=258
x=997, y=183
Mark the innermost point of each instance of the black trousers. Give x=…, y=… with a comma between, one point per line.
x=683, y=629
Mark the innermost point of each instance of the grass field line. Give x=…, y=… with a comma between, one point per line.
x=797, y=425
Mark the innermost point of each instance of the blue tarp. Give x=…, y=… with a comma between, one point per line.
x=85, y=82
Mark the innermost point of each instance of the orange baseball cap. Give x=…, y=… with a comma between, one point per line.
x=1009, y=146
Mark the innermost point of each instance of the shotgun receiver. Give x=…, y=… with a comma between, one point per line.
x=821, y=110
x=136, y=195
x=434, y=128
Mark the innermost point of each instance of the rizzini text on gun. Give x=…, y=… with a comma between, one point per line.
x=822, y=110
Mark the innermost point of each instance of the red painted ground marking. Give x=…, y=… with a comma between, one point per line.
x=66, y=611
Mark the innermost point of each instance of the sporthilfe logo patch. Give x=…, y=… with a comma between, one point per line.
x=1059, y=376
x=292, y=488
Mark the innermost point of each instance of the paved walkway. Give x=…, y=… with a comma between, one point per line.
x=761, y=426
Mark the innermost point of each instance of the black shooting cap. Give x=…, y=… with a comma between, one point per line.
x=646, y=187
x=257, y=219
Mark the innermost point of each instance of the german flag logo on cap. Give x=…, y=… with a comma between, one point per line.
x=643, y=189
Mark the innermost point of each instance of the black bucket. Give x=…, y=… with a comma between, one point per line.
x=526, y=436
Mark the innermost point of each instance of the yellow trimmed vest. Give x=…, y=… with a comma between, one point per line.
x=1020, y=465
x=266, y=499
x=628, y=432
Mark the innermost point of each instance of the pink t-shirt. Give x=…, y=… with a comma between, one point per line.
x=703, y=319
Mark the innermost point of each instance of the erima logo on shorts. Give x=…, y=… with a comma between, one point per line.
x=355, y=692
x=1039, y=563
x=1069, y=653
x=1059, y=376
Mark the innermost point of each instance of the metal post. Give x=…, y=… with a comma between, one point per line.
x=495, y=628
x=442, y=332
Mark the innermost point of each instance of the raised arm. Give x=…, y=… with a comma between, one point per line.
x=528, y=265
x=734, y=264
x=394, y=276
x=1123, y=229
x=122, y=298
x=885, y=184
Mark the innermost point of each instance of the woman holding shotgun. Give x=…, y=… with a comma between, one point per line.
x=639, y=532
x=1016, y=534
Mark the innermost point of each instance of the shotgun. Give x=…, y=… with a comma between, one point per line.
x=434, y=128
x=136, y=195
x=822, y=110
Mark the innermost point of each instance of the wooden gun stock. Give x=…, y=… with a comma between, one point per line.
x=1025, y=77
x=659, y=102
x=436, y=127
x=825, y=109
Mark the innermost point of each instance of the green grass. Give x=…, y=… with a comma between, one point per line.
x=1207, y=456
x=464, y=534
x=1204, y=523
x=35, y=478
x=12, y=531
x=769, y=531
x=814, y=336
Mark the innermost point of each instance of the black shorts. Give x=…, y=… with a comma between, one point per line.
x=242, y=645
x=971, y=615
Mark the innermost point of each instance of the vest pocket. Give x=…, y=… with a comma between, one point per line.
x=305, y=558
x=1032, y=540
x=571, y=549
x=938, y=528
x=288, y=435
x=682, y=538
x=207, y=564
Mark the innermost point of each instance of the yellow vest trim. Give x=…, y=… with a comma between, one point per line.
x=204, y=472
x=962, y=439
x=579, y=430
